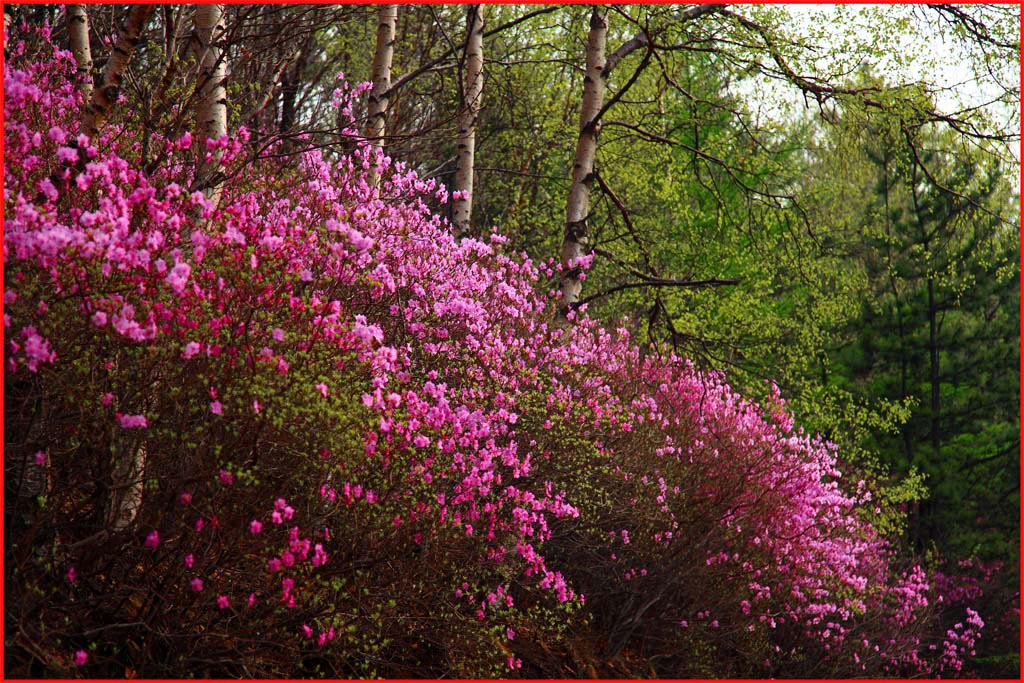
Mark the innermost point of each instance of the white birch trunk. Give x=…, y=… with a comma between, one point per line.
x=212, y=108
x=576, y=240
x=380, y=75
x=78, y=43
x=127, y=485
x=462, y=208
x=105, y=96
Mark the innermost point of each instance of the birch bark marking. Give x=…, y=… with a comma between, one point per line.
x=78, y=43
x=380, y=76
x=105, y=96
x=212, y=108
x=576, y=241
x=462, y=208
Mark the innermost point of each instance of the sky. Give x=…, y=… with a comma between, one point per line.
x=905, y=44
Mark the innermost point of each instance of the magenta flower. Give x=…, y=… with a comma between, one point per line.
x=41, y=458
x=81, y=657
x=223, y=602
x=322, y=388
x=216, y=407
x=197, y=585
x=189, y=560
x=185, y=498
x=72, y=574
x=255, y=526
x=132, y=421
x=191, y=350
x=153, y=539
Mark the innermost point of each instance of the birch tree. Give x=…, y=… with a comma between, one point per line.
x=469, y=114
x=576, y=240
x=212, y=107
x=105, y=96
x=78, y=42
x=380, y=74
x=575, y=243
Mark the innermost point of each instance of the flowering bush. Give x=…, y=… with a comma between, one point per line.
x=305, y=431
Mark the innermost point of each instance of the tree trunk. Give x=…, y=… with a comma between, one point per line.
x=105, y=96
x=380, y=75
x=576, y=241
x=933, y=362
x=291, y=79
x=212, y=108
x=462, y=207
x=78, y=43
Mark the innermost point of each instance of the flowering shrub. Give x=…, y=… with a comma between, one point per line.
x=307, y=432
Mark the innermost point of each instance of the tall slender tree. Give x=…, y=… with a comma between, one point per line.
x=105, y=96
x=575, y=243
x=380, y=75
x=212, y=107
x=78, y=42
x=469, y=114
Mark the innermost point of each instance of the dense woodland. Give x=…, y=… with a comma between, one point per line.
x=511, y=341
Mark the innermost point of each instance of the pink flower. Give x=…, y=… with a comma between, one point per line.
x=81, y=657
x=72, y=574
x=107, y=399
x=99, y=318
x=252, y=599
x=200, y=523
x=274, y=565
x=223, y=602
x=307, y=631
x=189, y=561
x=322, y=388
x=185, y=498
x=191, y=350
x=133, y=421
x=153, y=539
x=256, y=407
x=255, y=526
x=178, y=277
x=226, y=478
x=216, y=407
x=197, y=585
x=277, y=334
x=41, y=458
